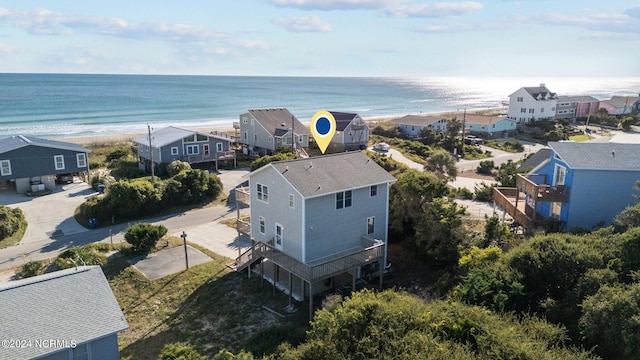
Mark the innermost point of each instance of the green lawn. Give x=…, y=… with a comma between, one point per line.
x=580, y=138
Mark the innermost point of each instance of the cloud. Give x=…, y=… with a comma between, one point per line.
x=437, y=10
x=459, y=28
x=609, y=23
x=633, y=12
x=331, y=4
x=303, y=24
x=4, y=49
x=46, y=22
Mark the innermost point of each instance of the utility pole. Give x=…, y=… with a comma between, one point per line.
x=184, y=239
x=293, y=134
x=151, y=156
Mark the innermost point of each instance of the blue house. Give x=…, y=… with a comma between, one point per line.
x=31, y=164
x=579, y=185
x=67, y=314
x=489, y=126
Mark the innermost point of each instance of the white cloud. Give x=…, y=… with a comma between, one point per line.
x=459, y=27
x=4, y=49
x=437, y=10
x=303, y=24
x=332, y=4
x=607, y=23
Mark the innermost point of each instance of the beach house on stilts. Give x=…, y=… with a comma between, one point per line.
x=315, y=220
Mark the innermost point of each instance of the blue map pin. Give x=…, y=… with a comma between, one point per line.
x=323, y=127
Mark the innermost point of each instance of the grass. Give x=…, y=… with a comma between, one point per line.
x=208, y=306
x=580, y=138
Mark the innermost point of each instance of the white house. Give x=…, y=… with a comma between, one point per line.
x=352, y=132
x=529, y=104
x=263, y=131
x=412, y=125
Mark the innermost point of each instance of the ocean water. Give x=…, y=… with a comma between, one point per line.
x=70, y=105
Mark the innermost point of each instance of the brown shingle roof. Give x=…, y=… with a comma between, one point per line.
x=273, y=119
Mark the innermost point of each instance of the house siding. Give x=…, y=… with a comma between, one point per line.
x=493, y=129
x=350, y=139
x=290, y=219
x=532, y=107
x=30, y=161
x=253, y=127
x=105, y=348
x=330, y=230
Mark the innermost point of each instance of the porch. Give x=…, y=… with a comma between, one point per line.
x=215, y=156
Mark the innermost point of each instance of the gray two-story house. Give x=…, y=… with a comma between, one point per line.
x=172, y=143
x=263, y=131
x=31, y=164
x=352, y=132
x=67, y=314
x=318, y=218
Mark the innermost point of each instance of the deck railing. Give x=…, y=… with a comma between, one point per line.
x=535, y=186
x=222, y=155
x=243, y=196
x=502, y=197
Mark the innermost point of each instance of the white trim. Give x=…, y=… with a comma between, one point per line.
x=81, y=158
x=262, y=225
x=58, y=161
x=174, y=150
x=304, y=230
x=371, y=186
x=219, y=147
x=2, y=172
x=374, y=225
x=260, y=194
x=292, y=201
x=193, y=149
x=275, y=236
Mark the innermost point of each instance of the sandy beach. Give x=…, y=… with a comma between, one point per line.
x=227, y=127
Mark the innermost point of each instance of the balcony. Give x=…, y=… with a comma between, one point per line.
x=535, y=186
x=223, y=155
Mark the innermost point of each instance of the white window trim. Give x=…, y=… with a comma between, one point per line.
x=370, y=188
x=193, y=149
x=174, y=150
x=374, y=225
x=219, y=147
x=292, y=201
x=2, y=167
x=58, y=161
x=557, y=169
x=262, y=225
x=344, y=199
x=81, y=160
x=261, y=194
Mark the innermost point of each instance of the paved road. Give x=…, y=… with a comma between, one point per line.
x=52, y=228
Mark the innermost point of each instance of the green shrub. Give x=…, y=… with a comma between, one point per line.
x=30, y=269
x=484, y=192
x=82, y=255
x=143, y=237
x=177, y=166
x=485, y=167
x=177, y=351
x=10, y=221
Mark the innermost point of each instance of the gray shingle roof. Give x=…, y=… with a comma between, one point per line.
x=170, y=134
x=328, y=174
x=419, y=120
x=540, y=90
x=19, y=141
x=578, y=98
x=74, y=304
x=273, y=119
x=598, y=156
x=343, y=119
x=536, y=160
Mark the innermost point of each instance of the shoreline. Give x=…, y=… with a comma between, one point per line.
x=227, y=127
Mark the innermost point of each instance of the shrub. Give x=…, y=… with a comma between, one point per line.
x=177, y=166
x=177, y=351
x=82, y=255
x=485, y=167
x=484, y=192
x=10, y=221
x=30, y=269
x=143, y=237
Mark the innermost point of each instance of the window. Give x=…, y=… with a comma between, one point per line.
x=373, y=190
x=244, y=120
x=556, y=210
x=560, y=175
x=255, y=137
x=371, y=228
x=531, y=111
x=245, y=135
x=541, y=110
x=174, y=150
x=80, y=352
x=81, y=160
x=59, y=161
x=292, y=201
x=523, y=110
x=343, y=199
x=520, y=99
x=5, y=167
x=193, y=150
x=263, y=192
x=269, y=139
x=262, y=225
x=219, y=147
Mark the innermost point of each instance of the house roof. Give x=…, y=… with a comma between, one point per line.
x=273, y=119
x=20, y=141
x=626, y=138
x=74, y=304
x=621, y=102
x=328, y=174
x=484, y=119
x=170, y=134
x=601, y=156
x=536, y=160
x=343, y=119
x=418, y=120
x=534, y=91
x=579, y=98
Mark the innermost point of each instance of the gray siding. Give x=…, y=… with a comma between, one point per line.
x=277, y=211
x=330, y=230
x=30, y=161
x=251, y=128
x=599, y=196
x=350, y=139
x=105, y=348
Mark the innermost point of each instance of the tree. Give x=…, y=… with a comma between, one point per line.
x=143, y=237
x=442, y=163
x=177, y=166
x=495, y=231
x=507, y=174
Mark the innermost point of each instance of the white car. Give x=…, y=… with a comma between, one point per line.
x=384, y=147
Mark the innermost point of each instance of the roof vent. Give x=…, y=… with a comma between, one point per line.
x=613, y=153
x=541, y=84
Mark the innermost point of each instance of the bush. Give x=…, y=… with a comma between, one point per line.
x=177, y=351
x=30, y=269
x=485, y=167
x=177, y=166
x=10, y=221
x=143, y=237
x=484, y=192
x=91, y=254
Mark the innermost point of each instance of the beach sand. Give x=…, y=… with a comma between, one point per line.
x=228, y=127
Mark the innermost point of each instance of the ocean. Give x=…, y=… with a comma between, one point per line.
x=75, y=105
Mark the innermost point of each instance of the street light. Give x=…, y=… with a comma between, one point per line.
x=184, y=239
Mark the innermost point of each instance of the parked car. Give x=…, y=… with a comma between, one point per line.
x=384, y=147
x=64, y=179
x=472, y=140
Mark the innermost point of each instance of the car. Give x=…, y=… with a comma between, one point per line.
x=64, y=179
x=384, y=147
x=472, y=140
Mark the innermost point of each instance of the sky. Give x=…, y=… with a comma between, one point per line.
x=408, y=38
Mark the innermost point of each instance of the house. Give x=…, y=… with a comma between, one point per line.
x=31, y=164
x=172, y=143
x=571, y=107
x=352, y=132
x=489, y=126
x=620, y=105
x=318, y=218
x=529, y=104
x=263, y=131
x=68, y=314
x=412, y=125
x=575, y=190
